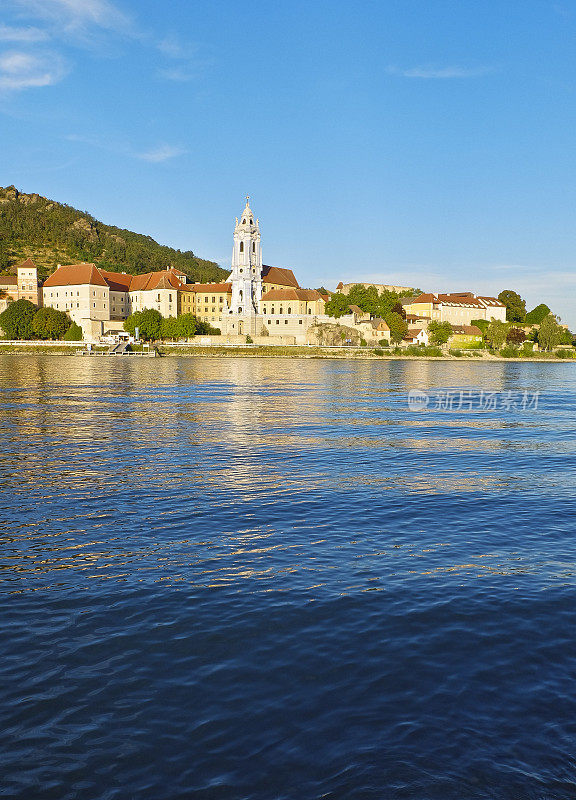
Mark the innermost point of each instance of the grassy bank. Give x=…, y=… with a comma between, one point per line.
x=263, y=351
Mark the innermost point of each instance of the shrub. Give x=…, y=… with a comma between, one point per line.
x=509, y=352
x=249, y=340
x=363, y=342
x=16, y=321
x=48, y=323
x=378, y=351
x=384, y=343
x=457, y=353
x=564, y=354
x=73, y=334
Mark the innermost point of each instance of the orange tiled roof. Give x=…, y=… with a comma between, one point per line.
x=149, y=281
x=27, y=263
x=292, y=294
x=8, y=280
x=76, y=274
x=285, y=277
x=469, y=330
x=117, y=281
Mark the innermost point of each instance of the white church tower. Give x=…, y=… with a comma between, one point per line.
x=246, y=277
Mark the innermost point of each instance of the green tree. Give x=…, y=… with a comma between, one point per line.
x=16, y=321
x=496, y=333
x=187, y=324
x=169, y=328
x=515, y=336
x=49, y=323
x=338, y=305
x=133, y=322
x=398, y=327
x=439, y=332
x=150, y=325
x=515, y=306
x=537, y=314
x=550, y=333
x=482, y=324
x=73, y=334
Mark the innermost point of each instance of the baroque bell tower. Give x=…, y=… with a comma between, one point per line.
x=246, y=277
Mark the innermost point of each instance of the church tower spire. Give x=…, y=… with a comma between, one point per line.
x=246, y=277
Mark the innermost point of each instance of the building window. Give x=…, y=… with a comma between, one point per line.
x=253, y=247
x=289, y=310
x=241, y=247
x=285, y=322
x=300, y=322
x=277, y=322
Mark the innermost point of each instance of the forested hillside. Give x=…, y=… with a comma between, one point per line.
x=52, y=233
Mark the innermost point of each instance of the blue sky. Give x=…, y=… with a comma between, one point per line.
x=422, y=142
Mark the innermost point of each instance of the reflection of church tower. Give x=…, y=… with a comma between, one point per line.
x=246, y=277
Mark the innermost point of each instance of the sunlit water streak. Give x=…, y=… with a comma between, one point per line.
x=245, y=578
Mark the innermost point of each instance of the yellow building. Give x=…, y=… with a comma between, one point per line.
x=207, y=301
x=23, y=285
x=458, y=308
x=292, y=301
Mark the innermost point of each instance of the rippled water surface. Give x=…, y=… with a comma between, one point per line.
x=267, y=578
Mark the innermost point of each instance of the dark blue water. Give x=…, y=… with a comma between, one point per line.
x=236, y=578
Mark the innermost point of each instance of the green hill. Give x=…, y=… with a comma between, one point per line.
x=53, y=233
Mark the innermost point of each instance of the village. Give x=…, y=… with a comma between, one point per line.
x=258, y=304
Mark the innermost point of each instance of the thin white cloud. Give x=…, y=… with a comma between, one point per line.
x=20, y=70
x=78, y=15
x=162, y=153
x=177, y=74
x=171, y=47
x=440, y=73
x=156, y=155
x=29, y=35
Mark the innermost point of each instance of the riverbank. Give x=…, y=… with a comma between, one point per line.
x=282, y=351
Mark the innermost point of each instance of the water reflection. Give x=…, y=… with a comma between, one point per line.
x=117, y=468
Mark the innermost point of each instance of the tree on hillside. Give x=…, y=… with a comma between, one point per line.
x=398, y=327
x=439, y=332
x=49, y=323
x=16, y=321
x=515, y=306
x=515, y=336
x=550, y=333
x=496, y=333
x=537, y=314
x=398, y=308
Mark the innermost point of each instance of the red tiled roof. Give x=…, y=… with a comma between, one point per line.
x=76, y=274
x=8, y=280
x=117, y=281
x=292, y=294
x=468, y=330
x=165, y=279
x=27, y=263
x=491, y=301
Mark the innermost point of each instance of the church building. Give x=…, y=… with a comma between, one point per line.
x=264, y=300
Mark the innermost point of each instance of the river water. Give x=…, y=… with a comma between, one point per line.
x=271, y=578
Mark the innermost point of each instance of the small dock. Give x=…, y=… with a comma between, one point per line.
x=114, y=351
